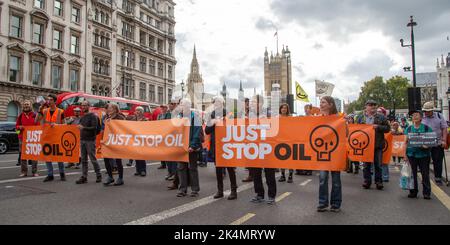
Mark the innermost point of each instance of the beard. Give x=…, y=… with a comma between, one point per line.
x=27, y=109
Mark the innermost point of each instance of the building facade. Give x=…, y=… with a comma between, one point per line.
x=277, y=70
x=111, y=48
x=443, y=85
x=428, y=87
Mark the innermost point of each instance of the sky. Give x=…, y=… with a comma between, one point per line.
x=344, y=42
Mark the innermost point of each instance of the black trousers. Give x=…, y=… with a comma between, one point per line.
x=424, y=165
x=219, y=177
x=437, y=155
x=270, y=181
x=108, y=165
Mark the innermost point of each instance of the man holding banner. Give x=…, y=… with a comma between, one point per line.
x=52, y=116
x=381, y=126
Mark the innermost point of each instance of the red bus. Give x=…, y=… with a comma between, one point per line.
x=69, y=101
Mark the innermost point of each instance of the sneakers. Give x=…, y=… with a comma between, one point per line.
x=143, y=174
x=218, y=195
x=335, y=209
x=271, y=201
x=108, y=181
x=194, y=194
x=82, y=180
x=36, y=175
x=23, y=175
x=49, y=178
x=290, y=180
x=119, y=182
x=366, y=185
x=257, y=199
x=181, y=194
x=426, y=197
x=322, y=208
x=172, y=187
x=438, y=181
x=137, y=174
x=232, y=196
x=99, y=179
x=282, y=179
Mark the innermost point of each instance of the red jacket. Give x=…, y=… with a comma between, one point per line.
x=25, y=119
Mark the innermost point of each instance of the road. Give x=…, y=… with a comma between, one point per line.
x=146, y=200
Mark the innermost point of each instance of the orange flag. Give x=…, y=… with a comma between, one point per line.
x=361, y=142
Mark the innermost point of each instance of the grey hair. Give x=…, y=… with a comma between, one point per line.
x=140, y=108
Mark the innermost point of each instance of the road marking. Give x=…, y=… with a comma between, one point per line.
x=9, y=186
x=305, y=182
x=441, y=195
x=155, y=218
x=282, y=196
x=39, y=164
x=243, y=219
x=56, y=171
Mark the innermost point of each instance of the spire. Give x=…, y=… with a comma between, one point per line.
x=194, y=64
x=437, y=63
x=266, y=54
x=442, y=61
x=240, y=86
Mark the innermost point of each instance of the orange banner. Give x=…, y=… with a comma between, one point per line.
x=308, y=143
x=60, y=143
x=98, y=146
x=399, y=145
x=387, y=148
x=165, y=140
x=361, y=142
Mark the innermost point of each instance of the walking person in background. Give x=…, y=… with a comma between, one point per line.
x=437, y=123
x=113, y=113
x=419, y=157
x=217, y=117
x=284, y=111
x=328, y=108
x=26, y=118
x=89, y=125
x=141, y=165
x=52, y=116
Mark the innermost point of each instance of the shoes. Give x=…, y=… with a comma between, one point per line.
x=356, y=171
x=218, y=195
x=257, y=199
x=335, y=209
x=143, y=174
x=194, y=194
x=36, y=175
x=438, y=182
x=70, y=165
x=119, y=182
x=412, y=195
x=129, y=164
x=172, y=187
x=17, y=164
x=99, y=179
x=271, y=201
x=366, y=185
x=82, y=180
x=322, y=208
x=426, y=197
x=379, y=186
x=290, y=179
x=248, y=179
x=23, y=175
x=137, y=174
x=181, y=194
x=282, y=179
x=108, y=181
x=233, y=195
x=77, y=166
x=170, y=177
x=308, y=173
x=49, y=178
x=63, y=177
x=386, y=180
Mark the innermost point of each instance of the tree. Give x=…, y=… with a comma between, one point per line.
x=391, y=94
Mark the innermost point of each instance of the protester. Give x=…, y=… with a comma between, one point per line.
x=246, y=115
x=52, y=116
x=308, y=112
x=75, y=120
x=113, y=113
x=285, y=111
x=172, y=166
x=404, y=123
x=162, y=116
x=218, y=116
x=396, y=130
x=328, y=108
x=141, y=165
x=26, y=118
x=384, y=167
x=89, y=124
x=437, y=123
x=195, y=145
x=381, y=126
x=353, y=166
x=419, y=157
x=256, y=111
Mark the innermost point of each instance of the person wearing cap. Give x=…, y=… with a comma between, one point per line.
x=381, y=126
x=437, y=123
x=419, y=157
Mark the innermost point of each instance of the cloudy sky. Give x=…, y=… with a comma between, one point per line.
x=344, y=42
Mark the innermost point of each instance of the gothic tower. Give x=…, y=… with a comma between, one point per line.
x=277, y=70
x=195, y=86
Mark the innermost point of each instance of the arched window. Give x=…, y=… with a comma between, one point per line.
x=96, y=65
x=107, y=19
x=13, y=111
x=107, y=90
x=100, y=90
x=101, y=68
x=96, y=15
x=94, y=89
x=106, y=68
x=102, y=17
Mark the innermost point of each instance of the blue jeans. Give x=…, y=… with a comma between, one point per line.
x=172, y=167
x=336, y=189
x=377, y=165
x=141, y=166
x=50, y=168
x=385, y=172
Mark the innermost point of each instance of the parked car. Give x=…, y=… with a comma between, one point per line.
x=9, y=139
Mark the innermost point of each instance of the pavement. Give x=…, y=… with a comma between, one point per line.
x=146, y=200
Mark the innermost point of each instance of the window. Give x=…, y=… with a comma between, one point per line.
x=36, y=68
x=74, y=44
x=170, y=49
x=57, y=39
x=56, y=76
x=151, y=41
x=160, y=95
x=170, y=93
x=38, y=33
x=13, y=111
x=142, y=91
x=158, y=24
x=128, y=7
x=143, y=64
x=58, y=8
x=39, y=4
x=128, y=88
x=76, y=15
x=128, y=30
x=142, y=37
x=152, y=67
x=16, y=26
x=74, y=79
x=169, y=72
x=14, y=69
x=160, y=46
x=127, y=58
x=160, y=69
x=151, y=93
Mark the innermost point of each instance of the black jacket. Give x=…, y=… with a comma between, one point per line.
x=89, y=122
x=210, y=130
x=383, y=127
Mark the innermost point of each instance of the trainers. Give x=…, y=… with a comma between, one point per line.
x=335, y=209
x=257, y=199
x=194, y=194
x=119, y=182
x=171, y=178
x=36, y=175
x=99, y=179
x=23, y=175
x=49, y=178
x=271, y=201
x=108, y=181
x=290, y=180
x=82, y=180
x=412, y=195
x=282, y=179
x=438, y=182
x=143, y=174
x=181, y=194
x=232, y=196
x=137, y=174
x=322, y=208
x=426, y=197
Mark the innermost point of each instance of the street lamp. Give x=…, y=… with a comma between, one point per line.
x=411, y=24
x=182, y=89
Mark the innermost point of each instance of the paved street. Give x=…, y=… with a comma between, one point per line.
x=147, y=201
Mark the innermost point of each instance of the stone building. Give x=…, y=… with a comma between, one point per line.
x=443, y=85
x=277, y=70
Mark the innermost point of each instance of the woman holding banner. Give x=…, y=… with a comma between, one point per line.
x=419, y=157
x=141, y=165
x=113, y=113
x=328, y=108
x=285, y=112
x=353, y=166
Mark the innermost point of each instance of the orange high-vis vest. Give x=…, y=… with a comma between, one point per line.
x=55, y=118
